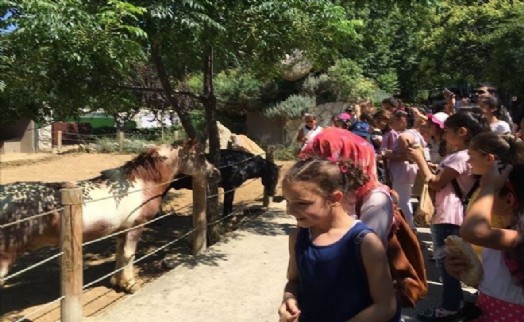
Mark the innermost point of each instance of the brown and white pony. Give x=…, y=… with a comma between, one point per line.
x=117, y=199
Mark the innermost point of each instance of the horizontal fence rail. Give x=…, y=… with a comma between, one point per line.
x=71, y=243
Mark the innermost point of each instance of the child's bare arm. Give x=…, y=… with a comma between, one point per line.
x=435, y=181
x=291, y=288
x=384, y=304
x=442, y=179
x=289, y=311
x=476, y=227
x=404, y=141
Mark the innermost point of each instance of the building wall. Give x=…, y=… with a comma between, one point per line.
x=264, y=130
x=18, y=137
x=72, y=132
x=280, y=131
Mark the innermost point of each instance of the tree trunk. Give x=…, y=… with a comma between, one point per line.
x=210, y=105
x=168, y=90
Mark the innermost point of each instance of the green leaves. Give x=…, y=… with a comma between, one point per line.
x=348, y=81
x=67, y=54
x=476, y=42
x=292, y=108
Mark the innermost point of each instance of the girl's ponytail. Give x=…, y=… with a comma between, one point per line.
x=516, y=149
x=353, y=176
x=506, y=148
x=481, y=118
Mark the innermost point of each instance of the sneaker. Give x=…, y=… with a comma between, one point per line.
x=439, y=314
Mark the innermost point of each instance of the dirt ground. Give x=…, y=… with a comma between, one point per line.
x=29, y=294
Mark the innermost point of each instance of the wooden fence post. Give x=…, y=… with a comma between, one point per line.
x=268, y=195
x=121, y=140
x=59, y=141
x=71, y=267
x=199, y=213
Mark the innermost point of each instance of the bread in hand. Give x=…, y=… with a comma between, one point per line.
x=473, y=274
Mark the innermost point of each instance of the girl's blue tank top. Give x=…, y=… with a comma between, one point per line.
x=333, y=284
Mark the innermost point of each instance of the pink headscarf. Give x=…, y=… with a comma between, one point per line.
x=340, y=144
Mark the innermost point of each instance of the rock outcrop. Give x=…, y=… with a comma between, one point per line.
x=243, y=143
x=240, y=142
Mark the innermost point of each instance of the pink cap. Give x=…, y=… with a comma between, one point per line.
x=438, y=118
x=344, y=117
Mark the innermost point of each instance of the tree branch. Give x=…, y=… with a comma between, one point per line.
x=157, y=89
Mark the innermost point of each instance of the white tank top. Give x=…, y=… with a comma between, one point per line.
x=497, y=281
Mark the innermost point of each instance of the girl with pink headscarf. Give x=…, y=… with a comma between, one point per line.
x=372, y=202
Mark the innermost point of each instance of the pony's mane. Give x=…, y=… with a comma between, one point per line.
x=147, y=166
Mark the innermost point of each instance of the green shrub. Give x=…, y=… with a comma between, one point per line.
x=321, y=87
x=293, y=107
x=286, y=153
x=389, y=82
x=348, y=81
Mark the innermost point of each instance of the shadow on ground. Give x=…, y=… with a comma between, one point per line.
x=41, y=285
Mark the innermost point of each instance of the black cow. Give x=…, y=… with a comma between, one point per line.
x=235, y=168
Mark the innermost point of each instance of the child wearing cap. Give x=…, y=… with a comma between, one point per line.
x=435, y=128
x=341, y=120
x=361, y=129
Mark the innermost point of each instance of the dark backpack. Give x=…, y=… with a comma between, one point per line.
x=405, y=258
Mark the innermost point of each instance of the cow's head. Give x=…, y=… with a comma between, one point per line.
x=270, y=176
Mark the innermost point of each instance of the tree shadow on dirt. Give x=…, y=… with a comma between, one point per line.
x=42, y=284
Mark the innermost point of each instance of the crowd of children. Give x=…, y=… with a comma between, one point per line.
x=342, y=193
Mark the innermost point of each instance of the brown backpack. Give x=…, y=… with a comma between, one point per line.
x=406, y=261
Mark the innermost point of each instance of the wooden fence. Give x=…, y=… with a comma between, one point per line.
x=71, y=268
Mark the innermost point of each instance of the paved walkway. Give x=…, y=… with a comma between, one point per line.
x=239, y=279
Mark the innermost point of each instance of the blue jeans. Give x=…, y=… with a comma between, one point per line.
x=452, y=295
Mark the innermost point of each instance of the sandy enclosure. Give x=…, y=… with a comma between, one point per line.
x=33, y=290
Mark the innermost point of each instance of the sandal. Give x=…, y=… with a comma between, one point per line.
x=439, y=314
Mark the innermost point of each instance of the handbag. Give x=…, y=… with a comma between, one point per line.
x=425, y=208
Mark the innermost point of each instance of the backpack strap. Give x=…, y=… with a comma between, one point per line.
x=457, y=189
x=476, y=185
x=458, y=192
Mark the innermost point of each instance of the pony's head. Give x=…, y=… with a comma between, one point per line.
x=270, y=176
x=192, y=161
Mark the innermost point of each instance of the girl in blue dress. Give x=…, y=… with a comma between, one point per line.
x=338, y=269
